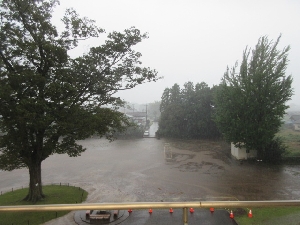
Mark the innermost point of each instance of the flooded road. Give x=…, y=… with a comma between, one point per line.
x=136, y=170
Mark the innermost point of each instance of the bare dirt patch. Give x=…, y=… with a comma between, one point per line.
x=199, y=145
x=216, y=149
x=205, y=167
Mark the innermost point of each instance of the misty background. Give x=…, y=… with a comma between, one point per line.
x=193, y=40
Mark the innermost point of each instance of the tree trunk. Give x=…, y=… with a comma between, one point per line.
x=35, y=192
x=260, y=153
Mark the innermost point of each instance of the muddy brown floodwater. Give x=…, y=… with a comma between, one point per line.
x=136, y=170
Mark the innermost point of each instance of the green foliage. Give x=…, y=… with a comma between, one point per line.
x=49, y=100
x=274, y=150
x=187, y=112
x=250, y=103
x=134, y=131
x=291, y=139
x=54, y=195
x=270, y=216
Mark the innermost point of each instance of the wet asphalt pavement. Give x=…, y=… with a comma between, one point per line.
x=163, y=216
x=137, y=170
x=200, y=216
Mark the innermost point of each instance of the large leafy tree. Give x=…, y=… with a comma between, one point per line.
x=251, y=101
x=48, y=100
x=172, y=116
x=205, y=126
x=189, y=109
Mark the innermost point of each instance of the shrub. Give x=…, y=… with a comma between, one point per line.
x=274, y=151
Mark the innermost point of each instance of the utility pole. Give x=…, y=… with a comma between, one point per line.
x=146, y=113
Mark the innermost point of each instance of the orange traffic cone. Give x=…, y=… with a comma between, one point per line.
x=192, y=210
x=171, y=210
x=150, y=211
x=250, y=214
x=231, y=215
x=129, y=210
x=211, y=210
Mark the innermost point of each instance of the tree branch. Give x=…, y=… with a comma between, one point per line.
x=6, y=62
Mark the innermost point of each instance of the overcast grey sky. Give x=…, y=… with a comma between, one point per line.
x=194, y=40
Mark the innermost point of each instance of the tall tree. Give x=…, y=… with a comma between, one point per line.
x=172, y=120
x=206, y=127
x=165, y=100
x=251, y=102
x=49, y=100
x=189, y=105
x=187, y=112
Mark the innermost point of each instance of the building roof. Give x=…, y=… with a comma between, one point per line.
x=137, y=114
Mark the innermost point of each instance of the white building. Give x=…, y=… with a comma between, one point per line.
x=241, y=153
x=296, y=122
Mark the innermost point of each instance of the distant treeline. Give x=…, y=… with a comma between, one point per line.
x=188, y=112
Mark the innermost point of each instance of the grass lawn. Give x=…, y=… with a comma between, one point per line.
x=270, y=216
x=55, y=194
x=292, y=140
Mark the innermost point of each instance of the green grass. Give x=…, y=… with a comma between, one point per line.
x=291, y=139
x=270, y=216
x=55, y=194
